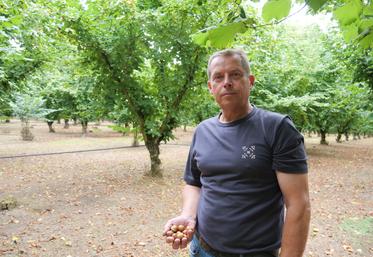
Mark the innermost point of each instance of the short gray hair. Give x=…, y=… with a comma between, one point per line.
x=230, y=52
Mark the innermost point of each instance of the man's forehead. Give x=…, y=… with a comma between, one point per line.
x=231, y=61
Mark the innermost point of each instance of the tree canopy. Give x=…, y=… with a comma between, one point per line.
x=142, y=63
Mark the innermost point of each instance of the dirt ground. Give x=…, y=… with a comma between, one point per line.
x=98, y=203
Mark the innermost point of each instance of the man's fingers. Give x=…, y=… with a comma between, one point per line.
x=184, y=231
x=169, y=239
x=176, y=244
x=190, y=234
x=184, y=242
x=167, y=227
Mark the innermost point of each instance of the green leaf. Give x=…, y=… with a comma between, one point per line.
x=368, y=10
x=276, y=9
x=367, y=41
x=17, y=20
x=200, y=38
x=349, y=12
x=221, y=36
x=350, y=32
x=316, y=4
x=242, y=13
x=366, y=24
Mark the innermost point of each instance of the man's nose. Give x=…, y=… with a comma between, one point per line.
x=227, y=81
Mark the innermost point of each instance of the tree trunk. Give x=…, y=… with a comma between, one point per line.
x=7, y=121
x=84, y=127
x=185, y=130
x=127, y=129
x=58, y=121
x=50, y=126
x=354, y=136
x=323, y=138
x=346, y=136
x=153, y=147
x=135, y=141
x=339, y=137
x=66, y=126
x=25, y=132
x=75, y=121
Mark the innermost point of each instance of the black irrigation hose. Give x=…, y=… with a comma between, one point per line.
x=77, y=151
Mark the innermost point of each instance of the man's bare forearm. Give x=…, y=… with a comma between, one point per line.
x=190, y=201
x=295, y=231
x=294, y=188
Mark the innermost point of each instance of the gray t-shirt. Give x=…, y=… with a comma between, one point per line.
x=241, y=208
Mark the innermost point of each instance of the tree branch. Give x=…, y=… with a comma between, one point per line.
x=180, y=95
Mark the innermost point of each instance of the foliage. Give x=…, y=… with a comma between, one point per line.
x=23, y=45
x=161, y=60
x=276, y=9
x=301, y=109
x=28, y=42
x=198, y=106
x=142, y=63
x=27, y=106
x=284, y=62
x=214, y=36
x=363, y=63
x=233, y=18
x=347, y=108
x=354, y=18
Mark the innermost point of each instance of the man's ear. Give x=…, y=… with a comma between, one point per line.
x=252, y=80
x=211, y=89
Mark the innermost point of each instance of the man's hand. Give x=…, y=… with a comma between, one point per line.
x=186, y=219
x=188, y=223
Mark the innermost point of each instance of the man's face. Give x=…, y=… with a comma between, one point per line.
x=229, y=83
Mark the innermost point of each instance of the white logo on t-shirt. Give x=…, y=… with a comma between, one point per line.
x=248, y=152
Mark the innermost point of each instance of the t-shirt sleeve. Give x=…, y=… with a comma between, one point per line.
x=289, y=154
x=192, y=174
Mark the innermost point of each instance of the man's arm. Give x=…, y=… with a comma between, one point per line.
x=188, y=215
x=190, y=201
x=294, y=188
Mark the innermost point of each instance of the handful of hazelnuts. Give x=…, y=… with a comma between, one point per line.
x=178, y=233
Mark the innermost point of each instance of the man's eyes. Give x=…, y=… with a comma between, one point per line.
x=218, y=77
x=234, y=75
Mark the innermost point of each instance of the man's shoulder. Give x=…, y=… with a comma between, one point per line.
x=269, y=116
x=207, y=122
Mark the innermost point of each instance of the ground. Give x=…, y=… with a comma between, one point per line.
x=99, y=203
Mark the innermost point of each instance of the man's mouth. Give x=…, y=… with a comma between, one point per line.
x=228, y=93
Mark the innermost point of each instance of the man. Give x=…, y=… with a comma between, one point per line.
x=244, y=165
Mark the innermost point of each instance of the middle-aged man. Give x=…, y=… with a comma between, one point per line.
x=244, y=166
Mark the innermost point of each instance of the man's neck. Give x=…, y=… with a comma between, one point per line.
x=233, y=115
